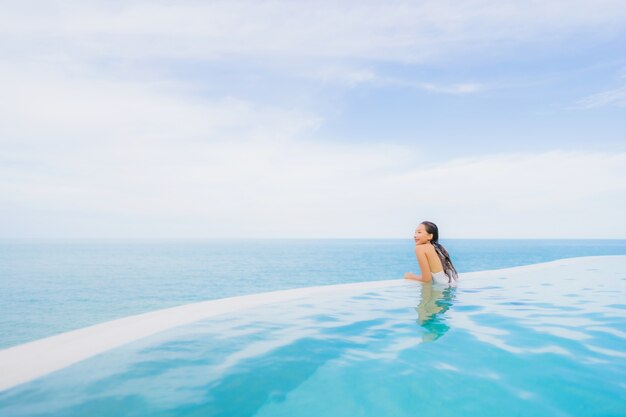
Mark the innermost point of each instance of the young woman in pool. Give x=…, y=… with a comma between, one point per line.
x=433, y=258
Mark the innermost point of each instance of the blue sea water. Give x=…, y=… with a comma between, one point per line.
x=52, y=286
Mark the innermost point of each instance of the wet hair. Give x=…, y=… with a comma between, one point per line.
x=444, y=256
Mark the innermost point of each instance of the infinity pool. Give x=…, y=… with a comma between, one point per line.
x=541, y=340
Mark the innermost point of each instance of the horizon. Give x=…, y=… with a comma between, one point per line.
x=271, y=120
x=289, y=238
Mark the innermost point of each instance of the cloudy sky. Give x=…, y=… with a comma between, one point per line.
x=494, y=119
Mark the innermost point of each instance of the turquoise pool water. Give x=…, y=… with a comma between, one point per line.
x=52, y=286
x=544, y=340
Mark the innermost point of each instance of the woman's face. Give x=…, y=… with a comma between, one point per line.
x=421, y=236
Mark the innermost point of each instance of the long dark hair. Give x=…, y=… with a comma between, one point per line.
x=444, y=256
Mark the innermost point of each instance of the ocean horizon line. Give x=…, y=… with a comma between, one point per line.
x=13, y=239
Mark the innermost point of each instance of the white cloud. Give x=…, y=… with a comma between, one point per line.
x=256, y=187
x=466, y=88
x=36, y=105
x=82, y=157
x=399, y=30
x=343, y=75
x=326, y=40
x=352, y=77
x=615, y=97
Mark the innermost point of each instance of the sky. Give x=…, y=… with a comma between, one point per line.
x=317, y=119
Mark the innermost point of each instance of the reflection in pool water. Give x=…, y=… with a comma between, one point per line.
x=435, y=300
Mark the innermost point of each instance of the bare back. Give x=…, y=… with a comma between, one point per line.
x=433, y=259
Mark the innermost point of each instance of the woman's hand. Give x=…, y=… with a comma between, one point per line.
x=411, y=275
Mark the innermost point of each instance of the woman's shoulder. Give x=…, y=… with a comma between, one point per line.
x=426, y=247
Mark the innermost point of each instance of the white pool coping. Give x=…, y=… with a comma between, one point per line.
x=28, y=361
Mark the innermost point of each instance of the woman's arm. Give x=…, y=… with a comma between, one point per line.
x=411, y=275
x=420, y=252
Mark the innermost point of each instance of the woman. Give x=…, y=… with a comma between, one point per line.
x=433, y=258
